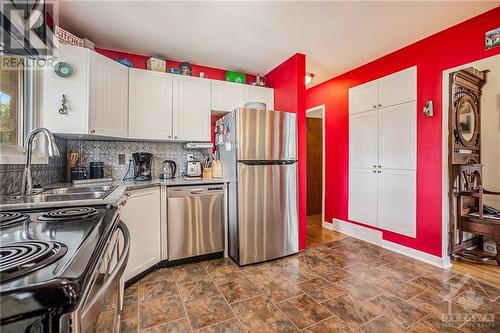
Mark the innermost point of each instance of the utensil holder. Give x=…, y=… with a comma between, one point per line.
x=207, y=173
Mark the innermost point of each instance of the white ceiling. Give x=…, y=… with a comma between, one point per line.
x=254, y=37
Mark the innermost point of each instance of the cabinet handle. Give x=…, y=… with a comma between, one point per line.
x=175, y=137
x=374, y=106
x=380, y=105
x=169, y=136
x=374, y=171
x=379, y=166
x=379, y=171
x=127, y=194
x=374, y=165
x=92, y=131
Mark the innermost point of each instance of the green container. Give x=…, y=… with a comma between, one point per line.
x=235, y=77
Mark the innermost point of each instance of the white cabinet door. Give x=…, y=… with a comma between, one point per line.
x=226, y=96
x=363, y=196
x=397, y=201
x=397, y=88
x=108, y=97
x=363, y=97
x=258, y=94
x=141, y=214
x=150, y=105
x=75, y=88
x=363, y=140
x=397, y=136
x=191, y=108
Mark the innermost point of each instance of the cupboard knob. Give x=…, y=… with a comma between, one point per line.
x=374, y=106
x=379, y=171
x=127, y=194
x=175, y=137
x=92, y=131
x=379, y=166
x=169, y=136
x=374, y=171
x=379, y=105
x=374, y=165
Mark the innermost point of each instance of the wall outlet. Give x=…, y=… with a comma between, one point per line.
x=121, y=159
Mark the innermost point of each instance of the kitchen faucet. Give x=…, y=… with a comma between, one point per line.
x=52, y=150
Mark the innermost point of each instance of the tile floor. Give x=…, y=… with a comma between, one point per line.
x=342, y=286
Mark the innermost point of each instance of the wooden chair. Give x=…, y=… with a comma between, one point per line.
x=469, y=193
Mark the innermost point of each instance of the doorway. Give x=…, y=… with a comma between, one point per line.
x=316, y=234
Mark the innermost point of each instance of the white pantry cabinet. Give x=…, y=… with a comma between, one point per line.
x=382, y=153
x=191, y=108
x=363, y=98
x=96, y=94
x=363, y=132
x=150, y=105
x=389, y=90
x=363, y=196
x=396, y=204
x=140, y=211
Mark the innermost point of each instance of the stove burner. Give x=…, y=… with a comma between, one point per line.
x=21, y=258
x=67, y=214
x=9, y=218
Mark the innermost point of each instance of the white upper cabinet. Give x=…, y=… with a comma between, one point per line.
x=191, y=108
x=398, y=88
x=397, y=136
x=396, y=201
x=96, y=95
x=150, y=105
x=226, y=96
x=257, y=94
x=75, y=88
x=363, y=98
x=363, y=140
x=108, y=96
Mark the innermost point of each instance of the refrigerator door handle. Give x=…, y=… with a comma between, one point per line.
x=268, y=162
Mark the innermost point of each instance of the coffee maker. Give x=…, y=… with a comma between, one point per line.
x=142, y=166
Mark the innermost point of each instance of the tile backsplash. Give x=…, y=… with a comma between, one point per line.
x=11, y=175
x=108, y=152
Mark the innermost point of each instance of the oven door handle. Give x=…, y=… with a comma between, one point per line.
x=93, y=308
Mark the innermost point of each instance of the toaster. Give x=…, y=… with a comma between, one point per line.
x=193, y=169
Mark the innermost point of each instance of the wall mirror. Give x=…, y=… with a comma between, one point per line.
x=467, y=122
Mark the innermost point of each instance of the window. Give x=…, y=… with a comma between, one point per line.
x=16, y=100
x=19, y=82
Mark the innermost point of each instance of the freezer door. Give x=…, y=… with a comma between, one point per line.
x=266, y=135
x=267, y=212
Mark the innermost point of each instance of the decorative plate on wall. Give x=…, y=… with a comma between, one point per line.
x=63, y=69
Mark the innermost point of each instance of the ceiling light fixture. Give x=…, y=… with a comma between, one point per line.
x=309, y=77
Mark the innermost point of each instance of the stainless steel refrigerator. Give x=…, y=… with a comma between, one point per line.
x=258, y=150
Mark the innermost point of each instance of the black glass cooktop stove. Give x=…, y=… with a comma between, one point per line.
x=46, y=256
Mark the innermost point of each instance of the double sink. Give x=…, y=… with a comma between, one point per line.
x=64, y=194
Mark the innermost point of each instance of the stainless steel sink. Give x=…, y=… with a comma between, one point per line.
x=79, y=190
x=64, y=194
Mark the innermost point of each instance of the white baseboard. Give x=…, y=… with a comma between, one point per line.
x=375, y=237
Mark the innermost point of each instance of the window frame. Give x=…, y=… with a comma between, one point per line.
x=30, y=97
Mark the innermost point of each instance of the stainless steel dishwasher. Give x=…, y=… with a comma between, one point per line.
x=195, y=221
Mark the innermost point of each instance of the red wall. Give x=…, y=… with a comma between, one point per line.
x=140, y=61
x=288, y=81
x=457, y=45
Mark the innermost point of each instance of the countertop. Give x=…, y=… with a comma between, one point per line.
x=113, y=197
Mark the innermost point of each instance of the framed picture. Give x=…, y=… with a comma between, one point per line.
x=492, y=38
